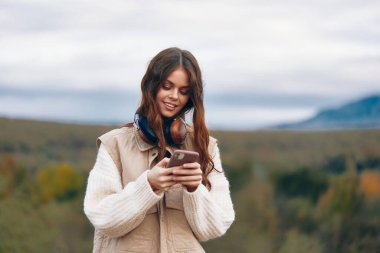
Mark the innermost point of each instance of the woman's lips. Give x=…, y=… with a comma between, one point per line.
x=170, y=106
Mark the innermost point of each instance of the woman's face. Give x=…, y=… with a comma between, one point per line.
x=174, y=93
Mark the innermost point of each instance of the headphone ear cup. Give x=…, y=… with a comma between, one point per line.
x=174, y=131
x=178, y=131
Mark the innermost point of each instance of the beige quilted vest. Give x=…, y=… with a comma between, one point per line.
x=164, y=228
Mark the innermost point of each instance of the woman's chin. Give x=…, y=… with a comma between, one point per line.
x=169, y=115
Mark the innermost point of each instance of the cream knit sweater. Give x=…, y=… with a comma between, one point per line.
x=115, y=210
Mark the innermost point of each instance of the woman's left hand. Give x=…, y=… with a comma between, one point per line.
x=189, y=175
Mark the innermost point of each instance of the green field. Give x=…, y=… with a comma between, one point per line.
x=292, y=191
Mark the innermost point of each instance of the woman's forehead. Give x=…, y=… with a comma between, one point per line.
x=178, y=77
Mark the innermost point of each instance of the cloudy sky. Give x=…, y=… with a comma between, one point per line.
x=264, y=62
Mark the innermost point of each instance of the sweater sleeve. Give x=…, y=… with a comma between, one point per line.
x=210, y=213
x=112, y=209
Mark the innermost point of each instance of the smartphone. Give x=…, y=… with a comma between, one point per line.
x=180, y=157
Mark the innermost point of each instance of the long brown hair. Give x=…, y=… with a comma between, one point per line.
x=159, y=68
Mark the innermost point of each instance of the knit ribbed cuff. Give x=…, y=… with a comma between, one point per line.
x=191, y=199
x=145, y=191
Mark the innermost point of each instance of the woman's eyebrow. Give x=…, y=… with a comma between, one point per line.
x=181, y=86
x=167, y=80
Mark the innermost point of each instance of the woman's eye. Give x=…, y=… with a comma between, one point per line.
x=166, y=86
x=185, y=91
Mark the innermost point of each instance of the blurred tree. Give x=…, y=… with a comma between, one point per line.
x=372, y=162
x=335, y=164
x=297, y=213
x=302, y=182
x=343, y=195
x=370, y=183
x=7, y=175
x=337, y=211
x=238, y=173
x=59, y=182
x=11, y=176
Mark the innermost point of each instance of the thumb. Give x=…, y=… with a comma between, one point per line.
x=163, y=162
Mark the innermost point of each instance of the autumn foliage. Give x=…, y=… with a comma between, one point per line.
x=370, y=183
x=293, y=192
x=59, y=182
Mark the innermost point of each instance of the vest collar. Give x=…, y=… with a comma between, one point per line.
x=141, y=144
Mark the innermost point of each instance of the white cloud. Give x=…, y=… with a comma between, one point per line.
x=290, y=47
x=254, y=117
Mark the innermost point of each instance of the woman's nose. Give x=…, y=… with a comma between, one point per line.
x=174, y=94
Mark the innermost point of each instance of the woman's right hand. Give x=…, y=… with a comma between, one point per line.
x=160, y=177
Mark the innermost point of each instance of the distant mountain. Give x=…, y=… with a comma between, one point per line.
x=364, y=113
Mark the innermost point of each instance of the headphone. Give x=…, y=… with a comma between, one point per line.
x=174, y=130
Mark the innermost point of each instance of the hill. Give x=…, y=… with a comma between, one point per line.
x=37, y=143
x=34, y=143
x=364, y=113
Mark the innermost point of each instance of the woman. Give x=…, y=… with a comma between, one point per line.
x=135, y=203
